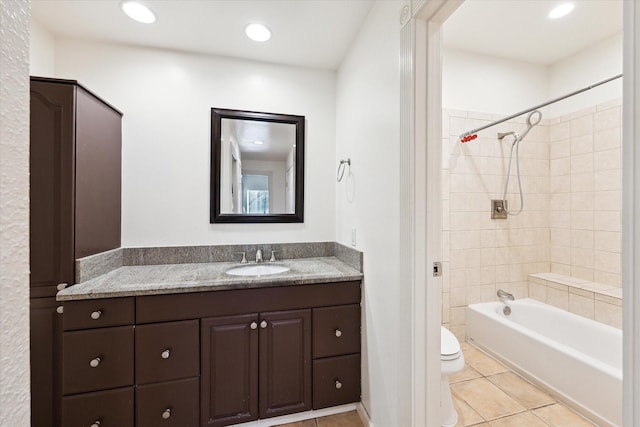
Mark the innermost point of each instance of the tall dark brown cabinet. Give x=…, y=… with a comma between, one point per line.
x=75, y=188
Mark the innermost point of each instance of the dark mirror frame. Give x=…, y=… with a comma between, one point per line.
x=217, y=114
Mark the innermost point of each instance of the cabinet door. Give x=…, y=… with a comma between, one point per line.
x=229, y=370
x=46, y=366
x=285, y=362
x=51, y=162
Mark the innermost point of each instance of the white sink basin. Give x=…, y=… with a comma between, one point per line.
x=257, y=270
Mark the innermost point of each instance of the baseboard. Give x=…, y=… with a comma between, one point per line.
x=301, y=416
x=364, y=415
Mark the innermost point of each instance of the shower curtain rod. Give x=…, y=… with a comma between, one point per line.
x=465, y=136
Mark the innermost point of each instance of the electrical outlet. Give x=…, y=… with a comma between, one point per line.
x=353, y=236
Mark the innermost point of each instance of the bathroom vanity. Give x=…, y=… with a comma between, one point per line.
x=189, y=345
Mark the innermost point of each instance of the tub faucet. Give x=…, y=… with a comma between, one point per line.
x=258, y=255
x=504, y=295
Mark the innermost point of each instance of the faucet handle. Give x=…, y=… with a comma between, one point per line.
x=244, y=257
x=273, y=256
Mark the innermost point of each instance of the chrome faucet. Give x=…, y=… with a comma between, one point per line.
x=505, y=297
x=258, y=255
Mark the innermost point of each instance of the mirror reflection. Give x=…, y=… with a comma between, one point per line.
x=257, y=174
x=257, y=167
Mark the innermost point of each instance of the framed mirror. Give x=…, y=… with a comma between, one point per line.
x=257, y=167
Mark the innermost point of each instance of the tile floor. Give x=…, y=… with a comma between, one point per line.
x=486, y=394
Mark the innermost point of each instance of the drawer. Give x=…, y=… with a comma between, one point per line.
x=336, y=330
x=97, y=359
x=170, y=404
x=336, y=381
x=113, y=408
x=98, y=313
x=167, y=351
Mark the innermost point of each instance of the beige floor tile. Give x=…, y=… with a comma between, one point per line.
x=346, y=419
x=468, y=373
x=305, y=423
x=483, y=363
x=466, y=415
x=558, y=415
x=525, y=419
x=486, y=399
x=522, y=391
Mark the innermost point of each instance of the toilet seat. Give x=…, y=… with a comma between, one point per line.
x=449, y=345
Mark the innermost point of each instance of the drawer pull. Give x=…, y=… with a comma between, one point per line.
x=60, y=309
x=165, y=354
x=166, y=414
x=96, y=424
x=95, y=362
x=254, y=325
x=96, y=314
x=338, y=333
x=338, y=385
x=263, y=324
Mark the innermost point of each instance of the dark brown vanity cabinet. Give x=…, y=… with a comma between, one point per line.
x=98, y=363
x=75, y=181
x=255, y=366
x=211, y=358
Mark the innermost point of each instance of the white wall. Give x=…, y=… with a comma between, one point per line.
x=368, y=130
x=488, y=84
x=597, y=63
x=41, y=51
x=14, y=213
x=166, y=98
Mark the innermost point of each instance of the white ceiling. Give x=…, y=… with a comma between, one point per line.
x=311, y=33
x=277, y=138
x=521, y=30
x=318, y=33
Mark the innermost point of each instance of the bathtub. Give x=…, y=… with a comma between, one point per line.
x=577, y=359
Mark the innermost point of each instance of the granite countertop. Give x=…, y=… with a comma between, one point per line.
x=142, y=280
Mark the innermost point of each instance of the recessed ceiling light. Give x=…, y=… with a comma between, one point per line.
x=257, y=32
x=561, y=10
x=138, y=12
x=258, y=142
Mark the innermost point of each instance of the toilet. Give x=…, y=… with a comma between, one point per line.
x=452, y=361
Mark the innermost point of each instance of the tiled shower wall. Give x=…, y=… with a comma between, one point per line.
x=586, y=181
x=482, y=255
x=570, y=225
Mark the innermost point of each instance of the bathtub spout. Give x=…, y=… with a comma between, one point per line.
x=505, y=296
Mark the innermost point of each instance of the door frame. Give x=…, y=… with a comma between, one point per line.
x=421, y=205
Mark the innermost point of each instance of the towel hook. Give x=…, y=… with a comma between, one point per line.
x=342, y=167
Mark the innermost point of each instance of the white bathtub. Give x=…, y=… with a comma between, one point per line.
x=578, y=359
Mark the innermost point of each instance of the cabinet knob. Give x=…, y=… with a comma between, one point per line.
x=61, y=286
x=253, y=325
x=165, y=354
x=96, y=424
x=338, y=385
x=95, y=362
x=338, y=333
x=96, y=314
x=263, y=324
x=60, y=309
x=166, y=414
